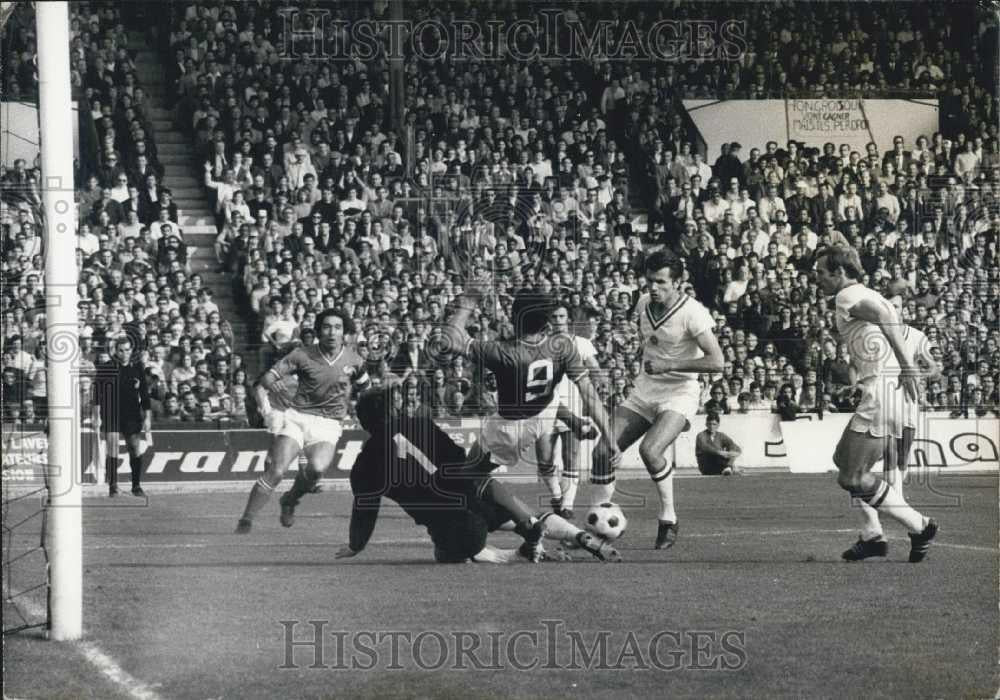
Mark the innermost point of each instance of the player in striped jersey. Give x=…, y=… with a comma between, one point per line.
x=678, y=343
x=872, y=331
x=326, y=373
x=895, y=461
x=410, y=460
x=563, y=491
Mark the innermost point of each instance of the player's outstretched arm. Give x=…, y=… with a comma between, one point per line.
x=364, y=515
x=261, y=391
x=711, y=361
x=581, y=427
x=455, y=340
x=595, y=409
x=883, y=316
x=930, y=367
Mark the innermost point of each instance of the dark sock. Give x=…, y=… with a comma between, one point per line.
x=135, y=464
x=302, y=485
x=496, y=493
x=111, y=469
x=260, y=494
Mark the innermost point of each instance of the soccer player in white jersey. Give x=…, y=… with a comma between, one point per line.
x=327, y=372
x=678, y=343
x=895, y=461
x=563, y=491
x=873, y=333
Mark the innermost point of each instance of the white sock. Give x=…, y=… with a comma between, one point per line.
x=870, y=525
x=664, y=480
x=569, y=485
x=895, y=506
x=603, y=493
x=558, y=528
x=551, y=482
x=492, y=555
x=894, y=478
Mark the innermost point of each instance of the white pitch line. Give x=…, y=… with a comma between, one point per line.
x=115, y=673
x=106, y=665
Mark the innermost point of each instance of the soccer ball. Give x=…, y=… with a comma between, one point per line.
x=607, y=521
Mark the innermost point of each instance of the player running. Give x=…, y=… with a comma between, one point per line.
x=867, y=322
x=326, y=374
x=409, y=459
x=563, y=491
x=895, y=461
x=527, y=368
x=678, y=342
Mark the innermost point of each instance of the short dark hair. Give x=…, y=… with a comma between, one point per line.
x=349, y=327
x=531, y=311
x=665, y=258
x=712, y=416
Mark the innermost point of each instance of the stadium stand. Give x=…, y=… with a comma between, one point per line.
x=292, y=185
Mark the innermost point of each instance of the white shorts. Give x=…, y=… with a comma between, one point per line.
x=650, y=398
x=884, y=409
x=506, y=440
x=307, y=429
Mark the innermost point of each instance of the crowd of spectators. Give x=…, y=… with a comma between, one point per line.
x=536, y=171
x=134, y=275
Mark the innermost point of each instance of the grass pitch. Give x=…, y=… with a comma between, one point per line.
x=753, y=601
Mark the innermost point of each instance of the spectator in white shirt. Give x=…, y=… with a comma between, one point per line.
x=770, y=203
x=224, y=190
x=699, y=167
x=164, y=227
x=87, y=241
x=299, y=168
x=119, y=190
x=967, y=163
x=888, y=201
x=542, y=168
x=849, y=199
x=716, y=207
x=238, y=205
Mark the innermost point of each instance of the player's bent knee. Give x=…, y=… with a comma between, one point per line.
x=272, y=477
x=652, y=456
x=849, y=480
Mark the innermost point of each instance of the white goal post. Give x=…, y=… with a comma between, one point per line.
x=63, y=534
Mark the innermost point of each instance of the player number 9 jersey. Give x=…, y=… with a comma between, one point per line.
x=527, y=374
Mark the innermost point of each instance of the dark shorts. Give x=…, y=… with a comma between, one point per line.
x=461, y=534
x=120, y=425
x=712, y=465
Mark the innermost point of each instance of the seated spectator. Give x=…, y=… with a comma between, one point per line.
x=716, y=452
x=787, y=408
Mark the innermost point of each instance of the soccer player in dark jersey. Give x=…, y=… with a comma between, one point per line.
x=528, y=369
x=326, y=372
x=122, y=411
x=408, y=459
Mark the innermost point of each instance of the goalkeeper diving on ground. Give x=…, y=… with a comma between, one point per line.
x=410, y=460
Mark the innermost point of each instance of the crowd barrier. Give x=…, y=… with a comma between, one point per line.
x=801, y=446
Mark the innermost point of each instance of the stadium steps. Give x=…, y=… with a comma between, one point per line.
x=196, y=217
